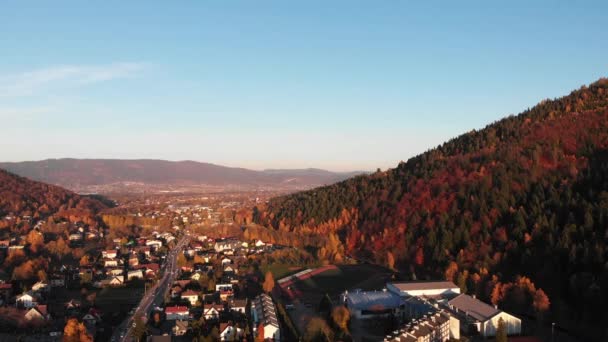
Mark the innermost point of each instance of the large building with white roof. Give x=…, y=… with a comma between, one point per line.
x=478, y=317
x=370, y=304
x=423, y=288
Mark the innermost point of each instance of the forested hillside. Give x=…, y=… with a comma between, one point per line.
x=519, y=206
x=22, y=198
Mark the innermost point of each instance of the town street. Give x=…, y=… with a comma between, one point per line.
x=154, y=295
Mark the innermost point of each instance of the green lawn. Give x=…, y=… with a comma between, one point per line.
x=281, y=270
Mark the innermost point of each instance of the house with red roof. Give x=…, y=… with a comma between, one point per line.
x=177, y=312
x=39, y=312
x=190, y=296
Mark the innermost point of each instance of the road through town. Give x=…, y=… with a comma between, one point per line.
x=155, y=295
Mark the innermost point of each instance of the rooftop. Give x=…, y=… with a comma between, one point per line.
x=424, y=285
x=370, y=300
x=473, y=307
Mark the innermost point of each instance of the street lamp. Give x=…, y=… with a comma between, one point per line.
x=552, y=331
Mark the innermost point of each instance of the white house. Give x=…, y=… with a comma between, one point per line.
x=110, y=263
x=238, y=305
x=264, y=311
x=221, y=246
x=180, y=328
x=423, y=288
x=196, y=276
x=40, y=287
x=222, y=287
x=190, y=296
x=26, y=300
x=37, y=313
x=212, y=311
x=226, y=261
x=115, y=271
x=113, y=281
x=154, y=243
x=110, y=253
x=229, y=332
x=478, y=317
x=75, y=237
x=132, y=274
x=260, y=243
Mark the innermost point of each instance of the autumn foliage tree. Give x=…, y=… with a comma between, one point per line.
x=525, y=196
x=268, y=285
x=260, y=333
x=340, y=315
x=75, y=331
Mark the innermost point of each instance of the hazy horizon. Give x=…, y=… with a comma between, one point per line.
x=341, y=86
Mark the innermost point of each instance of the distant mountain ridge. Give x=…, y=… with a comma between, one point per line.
x=76, y=173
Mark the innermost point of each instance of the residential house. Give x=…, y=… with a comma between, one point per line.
x=109, y=254
x=238, y=305
x=26, y=300
x=110, y=263
x=190, y=296
x=110, y=281
x=224, y=286
x=133, y=274
x=75, y=237
x=37, y=313
x=263, y=312
x=156, y=244
x=115, y=271
x=6, y=290
x=92, y=317
x=212, y=311
x=260, y=243
x=180, y=328
x=226, y=294
x=40, y=287
x=224, y=245
x=196, y=276
x=177, y=313
x=229, y=332
x=229, y=270
x=478, y=317
x=72, y=304
x=133, y=261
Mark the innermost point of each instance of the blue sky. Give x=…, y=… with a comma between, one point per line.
x=341, y=85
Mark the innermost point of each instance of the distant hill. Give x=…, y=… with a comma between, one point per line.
x=527, y=196
x=21, y=197
x=81, y=173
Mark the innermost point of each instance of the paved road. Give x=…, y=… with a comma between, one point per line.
x=154, y=295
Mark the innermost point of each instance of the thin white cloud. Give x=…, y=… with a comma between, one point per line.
x=36, y=81
x=25, y=113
